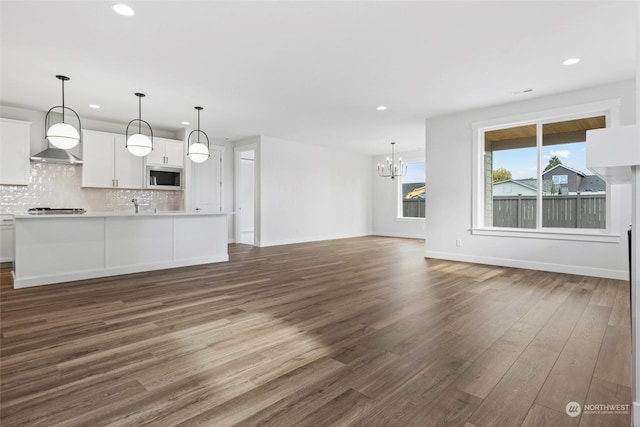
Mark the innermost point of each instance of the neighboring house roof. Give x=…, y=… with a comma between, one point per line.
x=565, y=167
x=589, y=183
x=412, y=186
x=531, y=182
x=592, y=183
x=406, y=188
x=518, y=182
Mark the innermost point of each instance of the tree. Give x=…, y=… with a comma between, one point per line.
x=501, y=174
x=554, y=161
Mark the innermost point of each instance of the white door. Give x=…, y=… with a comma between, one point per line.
x=245, y=196
x=206, y=183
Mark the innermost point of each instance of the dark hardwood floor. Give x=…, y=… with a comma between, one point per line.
x=362, y=332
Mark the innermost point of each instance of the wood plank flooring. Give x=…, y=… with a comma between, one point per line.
x=362, y=332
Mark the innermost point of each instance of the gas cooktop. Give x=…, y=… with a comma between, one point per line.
x=56, y=211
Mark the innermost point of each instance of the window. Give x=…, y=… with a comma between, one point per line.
x=510, y=159
x=412, y=191
x=535, y=176
x=560, y=179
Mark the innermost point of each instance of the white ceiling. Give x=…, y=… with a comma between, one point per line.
x=307, y=71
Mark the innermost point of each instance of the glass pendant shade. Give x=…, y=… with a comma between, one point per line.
x=198, y=152
x=139, y=145
x=63, y=135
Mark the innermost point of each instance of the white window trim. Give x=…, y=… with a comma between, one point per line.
x=610, y=108
x=410, y=219
x=399, y=216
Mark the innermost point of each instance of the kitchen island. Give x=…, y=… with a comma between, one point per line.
x=61, y=248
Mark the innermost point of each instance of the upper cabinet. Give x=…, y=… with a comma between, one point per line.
x=108, y=163
x=15, y=136
x=166, y=152
x=612, y=152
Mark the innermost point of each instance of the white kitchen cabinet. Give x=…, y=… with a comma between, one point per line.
x=166, y=152
x=14, y=152
x=129, y=169
x=6, y=238
x=612, y=153
x=99, y=161
x=108, y=163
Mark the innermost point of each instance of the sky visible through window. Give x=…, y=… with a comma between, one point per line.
x=522, y=161
x=415, y=173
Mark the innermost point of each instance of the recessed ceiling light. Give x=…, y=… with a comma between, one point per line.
x=381, y=108
x=96, y=106
x=123, y=9
x=185, y=123
x=571, y=61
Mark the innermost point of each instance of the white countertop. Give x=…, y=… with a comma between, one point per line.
x=123, y=214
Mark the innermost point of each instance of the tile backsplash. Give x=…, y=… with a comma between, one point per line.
x=59, y=186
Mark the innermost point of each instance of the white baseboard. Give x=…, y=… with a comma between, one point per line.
x=532, y=265
x=401, y=235
x=280, y=242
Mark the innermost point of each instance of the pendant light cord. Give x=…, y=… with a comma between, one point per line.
x=198, y=126
x=393, y=160
x=139, y=114
x=62, y=80
x=393, y=153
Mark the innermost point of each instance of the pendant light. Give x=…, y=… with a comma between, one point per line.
x=139, y=144
x=62, y=135
x=198, y=152
x=390, y=169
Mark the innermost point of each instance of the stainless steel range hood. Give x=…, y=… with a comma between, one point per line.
x=56, y=155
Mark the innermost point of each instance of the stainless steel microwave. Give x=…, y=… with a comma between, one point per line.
x=164, y=178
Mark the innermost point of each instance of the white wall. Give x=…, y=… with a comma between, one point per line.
x=310, y=193
x=386, y=194
x=449, y=196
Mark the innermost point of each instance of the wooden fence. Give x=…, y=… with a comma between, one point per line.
x=413, y=208
x=571, y=211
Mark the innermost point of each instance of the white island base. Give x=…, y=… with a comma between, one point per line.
x=61, y=248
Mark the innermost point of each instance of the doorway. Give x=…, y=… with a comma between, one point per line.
x=245, y=158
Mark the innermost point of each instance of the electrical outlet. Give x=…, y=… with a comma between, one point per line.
x=458, y=243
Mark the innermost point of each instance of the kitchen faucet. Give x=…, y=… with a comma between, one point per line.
x=135, y=203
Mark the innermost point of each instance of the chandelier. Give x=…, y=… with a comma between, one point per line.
x=390, y=169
